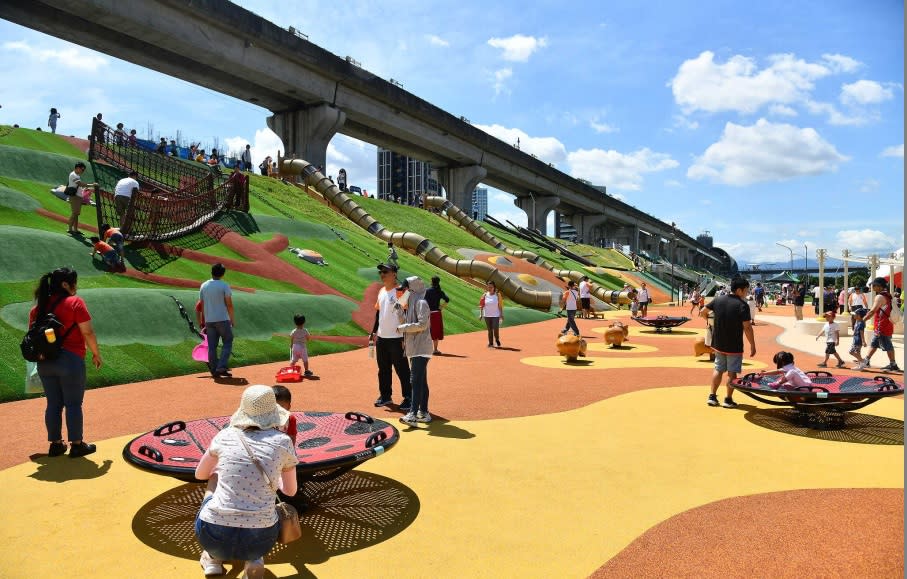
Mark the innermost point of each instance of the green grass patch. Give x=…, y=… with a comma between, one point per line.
x=43, y=141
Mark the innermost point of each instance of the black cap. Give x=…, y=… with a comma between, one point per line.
x=387, y=267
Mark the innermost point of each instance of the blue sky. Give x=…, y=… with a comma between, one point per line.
x=761, y=122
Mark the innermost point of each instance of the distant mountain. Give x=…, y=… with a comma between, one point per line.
x=831, y=263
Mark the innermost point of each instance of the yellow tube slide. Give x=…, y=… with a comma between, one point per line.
x=426, y=249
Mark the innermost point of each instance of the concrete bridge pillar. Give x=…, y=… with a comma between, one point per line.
x=460, y=182
x=537, y=207
x=306, y=132
x=591, y=228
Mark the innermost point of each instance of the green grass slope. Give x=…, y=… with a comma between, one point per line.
x=140, y=332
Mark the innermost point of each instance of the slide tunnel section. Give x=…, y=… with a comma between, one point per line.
x=428, y=251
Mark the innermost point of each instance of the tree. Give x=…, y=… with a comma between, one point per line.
x=858, y=277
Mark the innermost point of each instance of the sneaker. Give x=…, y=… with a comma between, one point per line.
x=893, y=367
x=383, y=401
x=499, y=344
x=210, y=565
x=409, y=418
x=81, y=449
x=840, y=365
x=254, y=569
x=423, y=417
x=713, y=400
x=308, y=373
x=56, y=449
x=729, y=403
x=861, y=365
x=223, y=373
x=821, y=365
x=406, y=404
x=491, y=345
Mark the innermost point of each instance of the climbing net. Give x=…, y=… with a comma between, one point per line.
x=176, y=196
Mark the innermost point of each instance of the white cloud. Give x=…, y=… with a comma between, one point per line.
x=867, y=240
x=781, y=111
x=739, y=85
x=547, y=149
x=840, y=63
x=864, y=92
x=619, y=171
x=673, y=183
x=869, y=185
x=681, y=122
x=836, y=117
x=603, y=127
x=436, y=40
x=70, y=57
x=266, y=143
x=501, y=77
x=894, y=151
x=765, y=152
x=518, y=48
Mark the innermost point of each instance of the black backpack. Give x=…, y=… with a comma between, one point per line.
x=35, y=346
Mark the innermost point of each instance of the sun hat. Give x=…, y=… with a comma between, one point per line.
x=382, y=267
x=259, y=408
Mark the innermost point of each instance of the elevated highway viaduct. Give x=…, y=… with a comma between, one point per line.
x=313, y=95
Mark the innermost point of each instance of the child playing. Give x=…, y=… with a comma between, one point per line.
x=856, y=347
x=634, y=306
x=832, y=336
x=790, y=375
x=114, y=237
x=109, y=254
x=284, y=399
x=751, y=302
x=298, y=349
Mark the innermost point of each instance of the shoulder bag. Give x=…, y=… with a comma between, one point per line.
x=290, y=529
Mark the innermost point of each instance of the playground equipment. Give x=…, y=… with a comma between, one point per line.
x=570, y=347
x=617, y=334
x=175, y=196
x=424, y=248
x=823, y=404
x=662, y=323
x=328, y=445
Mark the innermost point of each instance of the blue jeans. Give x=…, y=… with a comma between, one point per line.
x=418, y=368
x=235, y=543
x=571, y=322
x=64, y=385
x=215, y=331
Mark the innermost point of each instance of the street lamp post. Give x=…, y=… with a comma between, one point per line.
x=805, y=265
x=673, y=243
x=791, y=255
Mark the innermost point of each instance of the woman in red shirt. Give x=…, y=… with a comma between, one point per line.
x=64, y=378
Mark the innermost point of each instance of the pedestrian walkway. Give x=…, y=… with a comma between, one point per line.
x=610, y=467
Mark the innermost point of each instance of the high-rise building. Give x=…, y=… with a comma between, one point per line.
x=403, y=179
x=479, y=208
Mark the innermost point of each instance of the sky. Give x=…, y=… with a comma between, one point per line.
x=763, y=123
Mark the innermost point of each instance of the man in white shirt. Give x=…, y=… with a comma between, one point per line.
x=123, y=192
x=642, y=296
x=246, y=158
x=388, y=339
x=585, y=296
x=817, y=293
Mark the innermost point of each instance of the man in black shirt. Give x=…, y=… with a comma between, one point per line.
x=799, y=300
x=732, y=322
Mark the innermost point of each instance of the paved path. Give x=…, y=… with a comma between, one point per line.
x=533, y=468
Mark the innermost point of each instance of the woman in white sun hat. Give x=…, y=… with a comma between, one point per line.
x=237, y=519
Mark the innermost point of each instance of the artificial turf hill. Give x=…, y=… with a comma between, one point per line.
x=141, y=332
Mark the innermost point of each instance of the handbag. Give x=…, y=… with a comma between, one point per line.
x=290, y=529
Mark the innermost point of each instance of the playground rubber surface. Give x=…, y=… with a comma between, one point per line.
x=529, y=469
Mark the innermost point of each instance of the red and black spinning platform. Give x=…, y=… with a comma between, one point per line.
x=328, y=444
x=662, y=323
x=823, y=404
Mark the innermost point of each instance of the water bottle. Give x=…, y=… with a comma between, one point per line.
x=371, y=348
x=50, y=335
